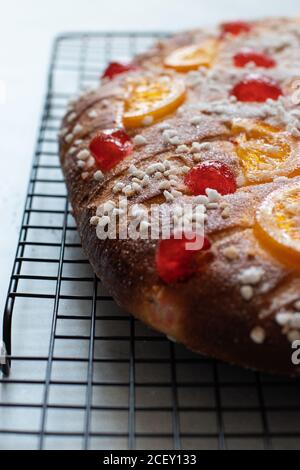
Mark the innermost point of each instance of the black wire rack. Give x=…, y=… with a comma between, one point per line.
x=84, y=374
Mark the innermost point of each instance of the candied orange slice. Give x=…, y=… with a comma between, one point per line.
x=150, y=98
x=265, y=151
x=192, y=57
x=278, y=223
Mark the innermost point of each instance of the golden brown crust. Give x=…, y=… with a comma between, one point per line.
x=207, y=312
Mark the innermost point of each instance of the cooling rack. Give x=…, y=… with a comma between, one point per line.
x=84, y=374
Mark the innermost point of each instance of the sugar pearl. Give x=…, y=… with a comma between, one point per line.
x=139, y=140
x=247, y=292
x=98, y=175
x=94, y=220
x=258, y=335
x=83, y=155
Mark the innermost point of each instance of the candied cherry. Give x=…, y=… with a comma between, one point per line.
x=235, y=28
x=256, y=89
x=213, y=175
x=174, y=261
x=116, y=68
x=243, y=58
x=109, y=148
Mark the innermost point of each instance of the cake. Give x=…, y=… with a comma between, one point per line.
x=201, y=131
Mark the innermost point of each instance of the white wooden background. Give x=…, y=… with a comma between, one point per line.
x=27, y=28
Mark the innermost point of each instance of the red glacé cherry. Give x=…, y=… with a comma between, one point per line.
x=174, y=262
x=235, y=27
x=261, y=60
x=115, y=68
x=256, y=89
x=109, y=148
x=213, y=175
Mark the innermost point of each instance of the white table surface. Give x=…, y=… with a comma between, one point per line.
x=27, y=28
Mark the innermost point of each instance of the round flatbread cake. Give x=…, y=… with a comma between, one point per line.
x=183, y=172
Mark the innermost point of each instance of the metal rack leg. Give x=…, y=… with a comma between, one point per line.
x=5, y=349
